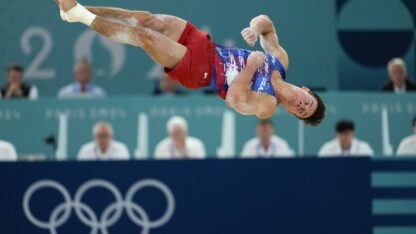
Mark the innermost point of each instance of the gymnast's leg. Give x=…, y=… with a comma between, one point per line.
x=162, y=49
x=170, y=26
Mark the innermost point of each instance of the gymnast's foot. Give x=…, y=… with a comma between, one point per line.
x=67, y=5
x=73, y=12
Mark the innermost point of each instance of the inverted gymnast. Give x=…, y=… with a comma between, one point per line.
x=252, y=83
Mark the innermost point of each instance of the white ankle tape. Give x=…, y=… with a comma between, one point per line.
x=79, y=14
x=63, y=15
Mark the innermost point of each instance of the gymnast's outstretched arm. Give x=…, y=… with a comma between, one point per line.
x=263, y=27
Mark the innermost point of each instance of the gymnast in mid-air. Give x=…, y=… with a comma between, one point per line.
x=252, y=83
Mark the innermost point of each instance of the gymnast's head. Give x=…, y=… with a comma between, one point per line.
x=306, y=105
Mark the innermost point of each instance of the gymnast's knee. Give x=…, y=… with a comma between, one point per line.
x=150, y=20
x=143, y=35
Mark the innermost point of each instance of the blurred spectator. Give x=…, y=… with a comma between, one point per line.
x=179, y=145
x=399, y=80
x=15, y=87
x=82, y=86
x=103, y=147
x=266, y=144
x=7, y=151
x=407, y=146
x=345, y=143
x=167, y=87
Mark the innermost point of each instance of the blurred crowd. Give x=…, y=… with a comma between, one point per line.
x=266, y=143
x=15, y=87
x=178, y=144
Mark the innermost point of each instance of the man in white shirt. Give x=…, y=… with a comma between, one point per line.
x=266, y=144
x=103, y=147
x=7, y=151
x=178, y=145
x=407, y=146
x=83, y=86
x=345, y=143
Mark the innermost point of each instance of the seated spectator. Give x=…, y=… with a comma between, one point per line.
x=399, y=80
x=7, y=151
x=82, y=86
x=266, y=144
x=178, y=145
x=167, y=87
x=407, y=146
x=16, y=88
x=345, y=143
x=103, y=147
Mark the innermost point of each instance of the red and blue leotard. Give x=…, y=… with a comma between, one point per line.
x=230, y=61
x=208, y=64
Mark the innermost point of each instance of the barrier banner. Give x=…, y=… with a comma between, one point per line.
x=203, y=197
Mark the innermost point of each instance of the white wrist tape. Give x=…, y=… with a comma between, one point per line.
x=63, y=15
x=79, y=14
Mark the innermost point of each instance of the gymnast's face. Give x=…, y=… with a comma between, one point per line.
x=301, y=103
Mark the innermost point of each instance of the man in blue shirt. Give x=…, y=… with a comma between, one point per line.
x=82, y=87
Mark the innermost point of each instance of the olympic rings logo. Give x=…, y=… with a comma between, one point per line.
x=110, y=215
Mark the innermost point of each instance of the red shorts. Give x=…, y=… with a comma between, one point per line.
x=196, y=68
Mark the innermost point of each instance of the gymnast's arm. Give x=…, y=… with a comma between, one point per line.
x=263, y=27
x=240, y=96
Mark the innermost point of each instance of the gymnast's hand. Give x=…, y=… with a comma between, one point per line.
x=256, y=59
x=250, y=35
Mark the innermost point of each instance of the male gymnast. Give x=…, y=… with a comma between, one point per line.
x=252, y=83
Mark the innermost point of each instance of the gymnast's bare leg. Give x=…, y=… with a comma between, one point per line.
x=153, y=33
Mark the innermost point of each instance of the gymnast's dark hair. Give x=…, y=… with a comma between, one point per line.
x=318, y=117
x=414, y=121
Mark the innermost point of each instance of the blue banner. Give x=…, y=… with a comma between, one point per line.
x=204, y=197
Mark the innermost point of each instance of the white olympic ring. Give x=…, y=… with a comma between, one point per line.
x=110, y=215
